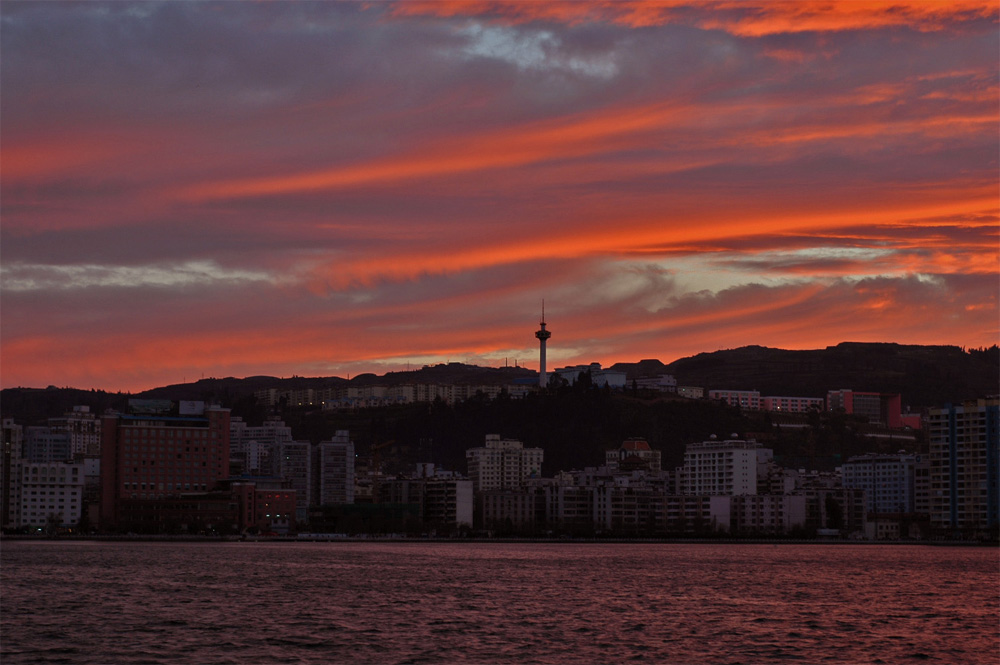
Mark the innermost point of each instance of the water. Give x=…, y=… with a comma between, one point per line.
x=102, y=602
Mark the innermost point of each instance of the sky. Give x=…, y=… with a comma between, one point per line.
x=221, y=189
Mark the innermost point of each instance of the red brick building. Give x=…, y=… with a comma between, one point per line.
x=154, y=457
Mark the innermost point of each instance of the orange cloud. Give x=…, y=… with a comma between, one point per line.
x=747, y=19
x=629, y=235
x=53, y=156
x=566, y=138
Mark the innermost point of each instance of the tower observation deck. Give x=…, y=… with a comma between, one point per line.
x=542, y=334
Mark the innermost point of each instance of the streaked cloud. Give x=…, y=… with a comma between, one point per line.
x=322, y=188
x=33, y=277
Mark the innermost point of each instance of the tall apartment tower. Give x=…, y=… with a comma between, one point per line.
x=292, y=461
x=964, y=452
x=543, y=335
x=10, y=473
x=335, y=470
x=502, y=464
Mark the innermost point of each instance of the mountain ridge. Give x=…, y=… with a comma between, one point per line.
x=925, y=375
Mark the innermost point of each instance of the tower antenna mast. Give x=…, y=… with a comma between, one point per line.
x=543, y=335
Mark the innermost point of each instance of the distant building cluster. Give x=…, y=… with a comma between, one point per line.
x=363, y=397
x=880, y=409
x=185, y=467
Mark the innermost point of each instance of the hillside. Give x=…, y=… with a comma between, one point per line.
x=924, y=375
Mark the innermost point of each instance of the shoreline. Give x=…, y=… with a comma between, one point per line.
x=337, y=538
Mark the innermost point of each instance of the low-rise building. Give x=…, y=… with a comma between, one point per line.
x=881, y=408
x=51, y=494
x=633, y=454
x=744, y=399
x=598, y=377
x=792, y=404
x=768, y=513
x=664, y=383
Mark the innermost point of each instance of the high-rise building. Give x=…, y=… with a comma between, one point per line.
x=251, y=449
x=10, y=473
x=964, y=452
x=152, y=456
x=84, y=431
x=888, y=481
x=335, y=470
x=293, y=463
x=727, y=467
x=502, y=464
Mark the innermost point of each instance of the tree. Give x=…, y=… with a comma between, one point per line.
x=52, y=523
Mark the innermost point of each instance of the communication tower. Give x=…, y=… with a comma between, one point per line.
x=542, y=334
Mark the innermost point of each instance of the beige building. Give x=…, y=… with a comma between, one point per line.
x=502, y=464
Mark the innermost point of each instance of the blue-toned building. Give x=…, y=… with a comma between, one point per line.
x=964, y=452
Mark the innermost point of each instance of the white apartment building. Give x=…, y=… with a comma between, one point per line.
x=727, y=467
x=888, y=481
x=252, y=449
x=598, y=377
x=51, y=489
x=272, y=430
x=665, y=383
x=502, y=464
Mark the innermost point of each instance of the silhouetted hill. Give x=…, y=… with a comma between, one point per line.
x=34, y=405
x=924, y=375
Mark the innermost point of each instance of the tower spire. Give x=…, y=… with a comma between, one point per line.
x=542, y=334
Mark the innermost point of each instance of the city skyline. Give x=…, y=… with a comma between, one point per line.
x=325, y=189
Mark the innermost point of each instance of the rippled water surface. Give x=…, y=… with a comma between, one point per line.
x=101, y=602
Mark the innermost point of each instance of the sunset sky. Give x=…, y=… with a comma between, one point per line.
x=318, y=188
